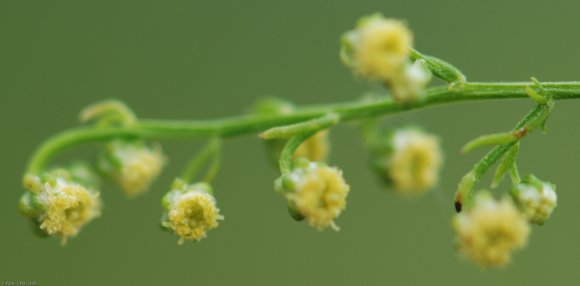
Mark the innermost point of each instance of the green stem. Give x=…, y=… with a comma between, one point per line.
x=210, y=151
x=236, y=126
x=290, y=148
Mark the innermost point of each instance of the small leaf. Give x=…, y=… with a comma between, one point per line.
x=514, y=174
x=440, y=68
x=538, y=98
x=490, y=139
x=108, y=112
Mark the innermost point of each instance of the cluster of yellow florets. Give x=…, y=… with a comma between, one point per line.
x=379, y=49
x=190, y=211
x=317, y=193
x=59, y=205
x=409, y=160
x=133, y=165
x=536, y=199
x=490, y=231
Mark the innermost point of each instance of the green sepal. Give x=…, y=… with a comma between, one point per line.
x=294, y=213
x=29, y=205
x=36, y=230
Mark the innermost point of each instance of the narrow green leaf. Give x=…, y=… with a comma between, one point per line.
x=490, y=139
x=537, y=97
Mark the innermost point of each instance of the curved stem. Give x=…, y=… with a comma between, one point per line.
x=210, y=151
x=235, y=126
x=290, y=148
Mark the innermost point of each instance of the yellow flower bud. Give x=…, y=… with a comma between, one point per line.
x=190, y=211
x=490, y=231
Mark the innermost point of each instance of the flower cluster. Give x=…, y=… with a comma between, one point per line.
x=490, y=231
x=536, y=199
x=60, y=202
x=379, y=49
x=133, y=165
x=315, y=192
x=190, y=211
x=408, y=159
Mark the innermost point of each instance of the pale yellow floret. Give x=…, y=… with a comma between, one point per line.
x=67, y=207
x=320, y=196
x=415, y=162
x=490, y=231
x=381, y=48
x=315, y=148
x=139, y=168
x=192, y=215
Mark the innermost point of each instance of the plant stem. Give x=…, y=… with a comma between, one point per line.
x=236, y=126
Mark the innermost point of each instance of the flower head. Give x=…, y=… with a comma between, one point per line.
x=58, y=204
x=378, y=48
x=536, y=199
x=190, y=211
x=133, y=165
x=409, y=159
x=490, y=231
x=316, y=192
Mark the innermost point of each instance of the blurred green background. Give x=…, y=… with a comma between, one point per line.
x=207, y=59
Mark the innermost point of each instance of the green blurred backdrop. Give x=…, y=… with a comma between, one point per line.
x=206, y=59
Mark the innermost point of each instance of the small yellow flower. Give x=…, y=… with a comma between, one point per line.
x=317, y=192
x=315, y=148
x=412, y=162
x=61, y=207
x=378, y=48
x=489, y=232
x=190, y=211
x=536, y=199
x=133, y=165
